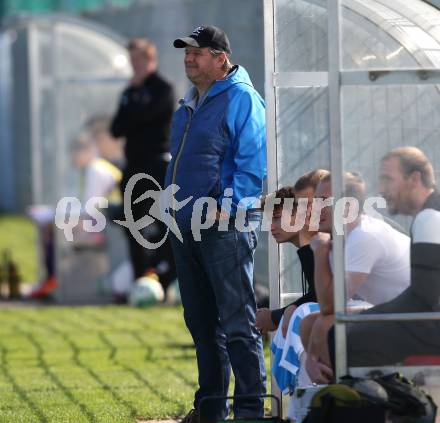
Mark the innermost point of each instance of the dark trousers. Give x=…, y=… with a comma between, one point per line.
x=215, y=277
x=143, y=258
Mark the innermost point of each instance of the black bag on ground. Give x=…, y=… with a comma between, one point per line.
x=407, y=402
x=371, y=400
x=340, y=403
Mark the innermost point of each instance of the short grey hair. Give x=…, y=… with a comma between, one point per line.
x=228, y=64
x=412, y=159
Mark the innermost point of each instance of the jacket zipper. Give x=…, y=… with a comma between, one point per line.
x=179, y=152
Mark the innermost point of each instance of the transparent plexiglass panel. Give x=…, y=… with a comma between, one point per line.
x=45, y=40
x=6, y=146
x=83, y=51
x=302, y=145
x=80, y=102
x=302, y=132
x=48, y=150
x=374, y=34
x=300, y=35
x=390, y=34
x=260, y=261
x=376, y=120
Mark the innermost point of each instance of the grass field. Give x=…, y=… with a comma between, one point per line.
x=94, y=364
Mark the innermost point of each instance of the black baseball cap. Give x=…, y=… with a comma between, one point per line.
x=205, y=36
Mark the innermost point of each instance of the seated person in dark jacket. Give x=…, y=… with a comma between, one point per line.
x=268, y=320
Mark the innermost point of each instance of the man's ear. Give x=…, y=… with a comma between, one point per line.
x=415, y=177
x=221, y=59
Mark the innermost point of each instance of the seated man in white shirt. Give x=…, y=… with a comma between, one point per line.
x=377, y=269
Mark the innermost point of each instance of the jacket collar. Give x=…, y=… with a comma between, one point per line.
x=237, y=75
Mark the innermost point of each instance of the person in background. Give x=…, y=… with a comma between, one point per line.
x=407, y=182
x=97, y=178
x=143, y=118
x=268, y=320
x=109, y=147
x=377, y=267
x=283, y=371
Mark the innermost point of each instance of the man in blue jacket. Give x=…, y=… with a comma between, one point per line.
x=218, y=147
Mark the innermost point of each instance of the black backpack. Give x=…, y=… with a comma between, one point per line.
x=371, y=400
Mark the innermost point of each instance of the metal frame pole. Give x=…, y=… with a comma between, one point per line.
x=34, y=114
x=6, y=146
x=272, y=179
x=334, y=54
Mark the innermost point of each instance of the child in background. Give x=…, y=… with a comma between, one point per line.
x=97, y=178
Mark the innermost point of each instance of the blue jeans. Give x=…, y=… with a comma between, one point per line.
x=216, y=284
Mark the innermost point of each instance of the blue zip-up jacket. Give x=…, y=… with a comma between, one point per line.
x=218, y=144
